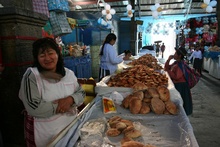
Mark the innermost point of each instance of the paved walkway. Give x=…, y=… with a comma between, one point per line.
x=205, y=119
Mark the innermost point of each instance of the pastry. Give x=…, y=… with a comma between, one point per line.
x=171, y=107
x=127, y=122
x=153, y=92
x=132, y=144
x=157, y=105
x=147, y=94
x=114, y=118
x=139, y=86
x=133, y=133
x=120, y=126
x=139, y=94
x=135, y=105
x=164, y=93
x=125, y=139
x=112, y=132
x=129, y=128
x=145, y=108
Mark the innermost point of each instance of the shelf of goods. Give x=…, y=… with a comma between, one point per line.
x=156, y=129
x=80, y=65
x=211, y=63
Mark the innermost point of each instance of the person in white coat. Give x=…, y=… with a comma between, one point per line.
x=50, y=94
x=109, y=58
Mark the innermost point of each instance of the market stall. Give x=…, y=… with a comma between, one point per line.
x=159, y=130
x=211, y=63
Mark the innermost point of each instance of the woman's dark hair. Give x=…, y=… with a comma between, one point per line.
x=43, y=44
x=181, y=51
x=108, y=39
x=127, y=52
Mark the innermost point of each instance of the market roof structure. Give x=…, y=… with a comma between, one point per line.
x=142, y=8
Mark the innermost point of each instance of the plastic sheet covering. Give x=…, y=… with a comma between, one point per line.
x=160, y=130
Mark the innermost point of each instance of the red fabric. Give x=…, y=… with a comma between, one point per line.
x=29, y=130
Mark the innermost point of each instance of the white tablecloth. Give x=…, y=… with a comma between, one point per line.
x=159, y=130
x=212, y=66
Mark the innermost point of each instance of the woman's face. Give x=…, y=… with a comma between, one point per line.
x=112, y=42
x=48, y=59
x=176, y=56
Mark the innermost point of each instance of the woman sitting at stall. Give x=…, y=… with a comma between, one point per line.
x=178, y=78
x=50, y=93
x=127, y=54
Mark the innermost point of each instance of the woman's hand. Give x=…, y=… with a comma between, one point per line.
x=171, y=57
x=64, y=104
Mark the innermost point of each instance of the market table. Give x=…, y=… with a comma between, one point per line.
x=211, y=63
x=160, y=130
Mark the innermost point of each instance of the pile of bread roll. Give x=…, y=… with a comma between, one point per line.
x=144, y=100
x=139, y=73
x=214, y=49
x=147, y=60
x=118, y=125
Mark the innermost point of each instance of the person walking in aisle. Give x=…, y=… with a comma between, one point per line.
x=108, y=57
x=162, y=48
x=50, y=94
x=178, y=78
x=197, y=59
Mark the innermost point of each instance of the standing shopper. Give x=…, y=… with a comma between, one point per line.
x=178, y=78
x=197, y=59
x=162, y=49
x=108, y=57
x=50, y=92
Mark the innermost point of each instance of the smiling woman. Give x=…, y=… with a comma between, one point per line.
x=50, y=94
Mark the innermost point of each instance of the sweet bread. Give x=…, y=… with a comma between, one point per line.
x=132, y=144
x=153, y=92
x=171, y=107
x=135, y=105
x=145, y=108
x=139, y=86
x=157, y=105
x=113, y=132
x=133, y=133
x=164, y=93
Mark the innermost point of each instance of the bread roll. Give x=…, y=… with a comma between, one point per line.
x=147, y=94
x=139, y=94
x=145, y=108
x=135, y=105
x=171, y=107
x=112, y=132
x=139, y=86
x=127, y=122
x=153, y=92
x=146, y=100
x=125, y=139
x=164, y=93
x=157, y=105
x=132, y=144
x=133, y=134
x=121, y=126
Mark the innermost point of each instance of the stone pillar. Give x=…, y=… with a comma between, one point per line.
x=133, y=32
x=19, y=27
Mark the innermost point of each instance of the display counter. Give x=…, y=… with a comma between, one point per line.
x=211, y=63
x=159, y=130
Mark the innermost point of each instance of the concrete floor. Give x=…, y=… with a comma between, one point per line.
x=205, y=119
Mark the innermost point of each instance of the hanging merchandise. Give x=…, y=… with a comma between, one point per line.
x=40, y=6
x=129, y=10
x=59, y=23
x=108, y=12
x=156, y=10
x=58, y=5
x=208, y=5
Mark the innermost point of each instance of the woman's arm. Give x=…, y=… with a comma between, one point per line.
x=33, y=102
x=113, y=57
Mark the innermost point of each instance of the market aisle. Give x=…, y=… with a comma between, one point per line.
x=206, y=111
